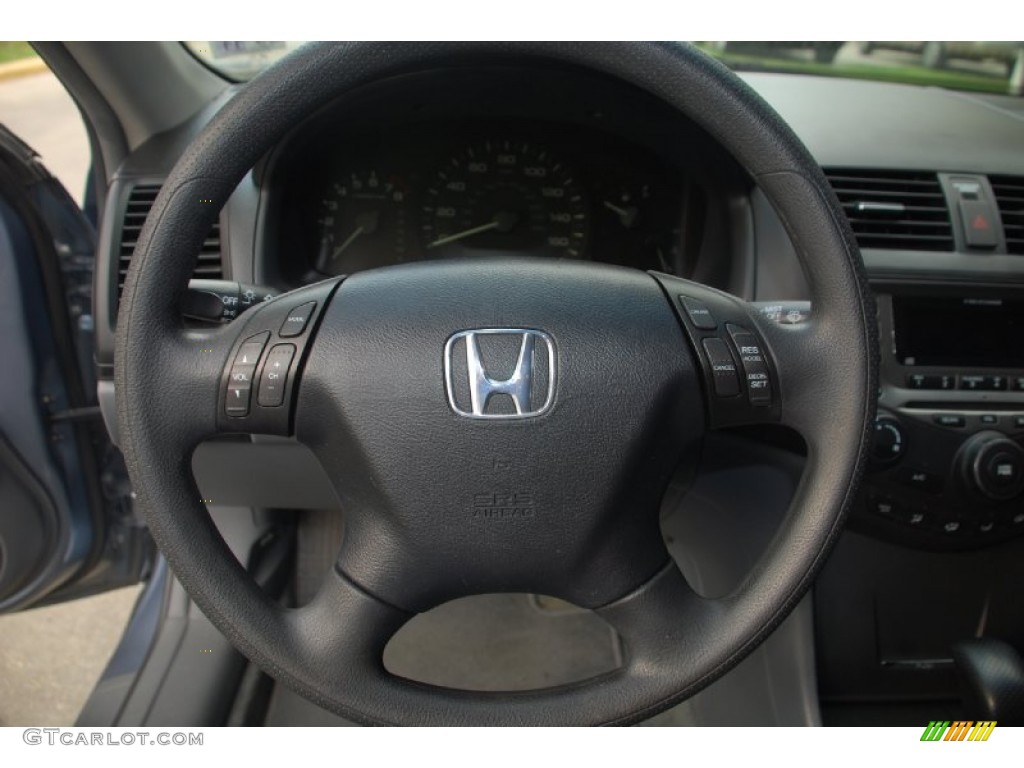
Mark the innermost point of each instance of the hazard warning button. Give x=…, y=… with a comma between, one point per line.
x=980, y=226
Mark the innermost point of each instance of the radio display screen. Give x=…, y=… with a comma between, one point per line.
x=959, y=332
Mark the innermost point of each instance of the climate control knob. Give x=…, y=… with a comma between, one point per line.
x=888, y=443
x=993, y=465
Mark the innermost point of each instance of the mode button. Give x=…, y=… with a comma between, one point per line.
x=297, y=320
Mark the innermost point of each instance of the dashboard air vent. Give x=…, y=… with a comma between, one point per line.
x=896, y=210
x=140, y=201
x=1009, y=192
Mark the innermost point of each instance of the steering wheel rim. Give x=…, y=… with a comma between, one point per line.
x=824, y=373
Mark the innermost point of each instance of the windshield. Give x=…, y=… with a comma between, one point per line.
x=991, y=67
x=240, y=60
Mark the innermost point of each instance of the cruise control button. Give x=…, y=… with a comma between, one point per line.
x=297, y=319
x=723, y=368
x=699, y=314
x=274, y=377
x=755, y=369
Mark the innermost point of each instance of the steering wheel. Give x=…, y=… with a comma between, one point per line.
x=496, y=425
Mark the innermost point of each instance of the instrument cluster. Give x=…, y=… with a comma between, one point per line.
x=436, y=191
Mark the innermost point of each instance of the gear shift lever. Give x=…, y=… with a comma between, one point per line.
x=992, y=678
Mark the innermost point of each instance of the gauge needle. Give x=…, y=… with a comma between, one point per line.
x=341, y=248
x=502, y=222
x=367, y=226
x=626, y=215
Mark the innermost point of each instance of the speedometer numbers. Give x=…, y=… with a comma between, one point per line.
x=503, y=195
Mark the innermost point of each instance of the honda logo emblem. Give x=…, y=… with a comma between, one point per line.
x=516, y=363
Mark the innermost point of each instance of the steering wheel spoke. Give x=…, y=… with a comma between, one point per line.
x=258, y=385
x=741, y=376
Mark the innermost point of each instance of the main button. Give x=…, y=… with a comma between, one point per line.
x=274, y=377
x=699, y=314
x=297, y=320
x=755, y=369
x=723, y=368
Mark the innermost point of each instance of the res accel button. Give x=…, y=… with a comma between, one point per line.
x=274, y=377
x=297, y=320
x=755, y=369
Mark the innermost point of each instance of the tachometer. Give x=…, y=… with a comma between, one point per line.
x=362, y=223
x=505, y=195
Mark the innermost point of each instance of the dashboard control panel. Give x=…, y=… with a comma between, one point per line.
x=947, y=460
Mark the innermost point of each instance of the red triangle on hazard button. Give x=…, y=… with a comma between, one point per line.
x=979, y=222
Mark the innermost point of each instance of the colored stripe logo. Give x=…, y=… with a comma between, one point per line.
x=959, y=730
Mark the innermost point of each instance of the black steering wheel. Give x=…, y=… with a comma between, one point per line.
x=611, y=381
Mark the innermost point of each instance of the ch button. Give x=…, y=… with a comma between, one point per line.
x=274, y=377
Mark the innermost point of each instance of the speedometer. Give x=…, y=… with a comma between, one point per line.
x=505, y=195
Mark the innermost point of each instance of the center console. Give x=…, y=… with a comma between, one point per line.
x=947, y=462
